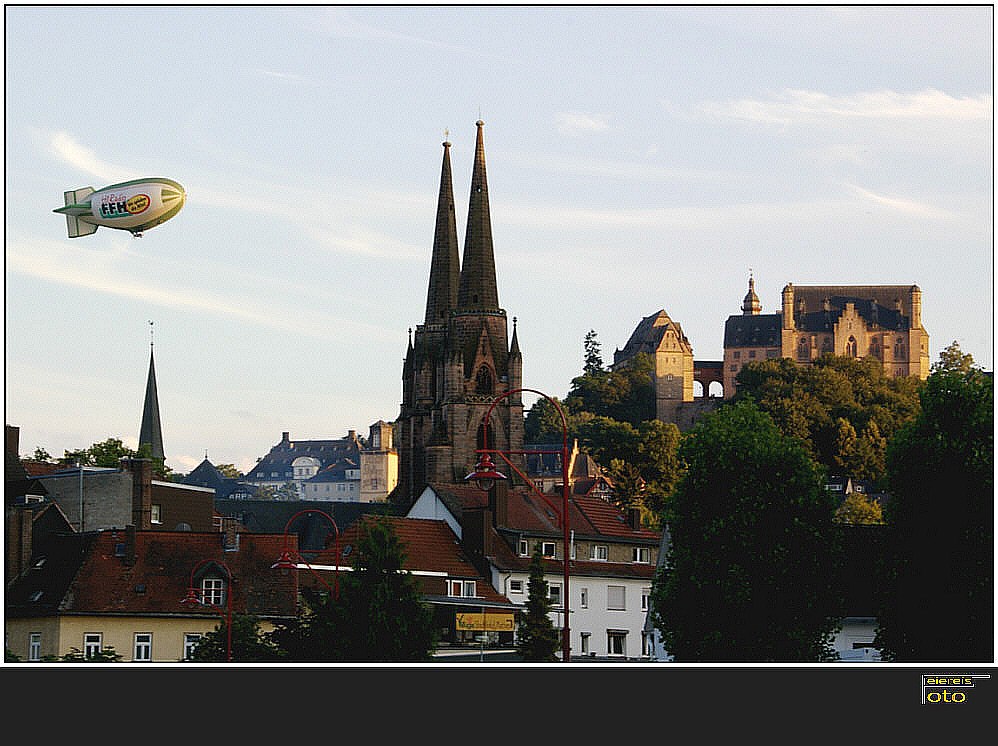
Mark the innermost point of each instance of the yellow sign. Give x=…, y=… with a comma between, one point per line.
x=473, y=622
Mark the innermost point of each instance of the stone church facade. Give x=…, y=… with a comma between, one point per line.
x=462, y=356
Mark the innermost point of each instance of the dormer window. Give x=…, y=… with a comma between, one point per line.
x=461, y=588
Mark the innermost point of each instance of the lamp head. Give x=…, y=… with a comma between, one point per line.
x=192, y=598
x=485, y=474
x=285, y=562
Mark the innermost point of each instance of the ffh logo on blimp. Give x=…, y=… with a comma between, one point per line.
x=938, y=689
x=134, y=206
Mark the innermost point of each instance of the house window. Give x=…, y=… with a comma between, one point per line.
x=522, y=549
x=35, y=646
x=191, y=640
x=143, y=647
x=156, y=515
x=212, y=591
x=615, y=595
x=641, y=554
x=645, y=599
x=585, y=642
x=554, y=593
x=91, y=644
x=598, y=552
x=584, y=598
x=461, y=588
x=516, y=586
x=616, y=642
x=547, y=549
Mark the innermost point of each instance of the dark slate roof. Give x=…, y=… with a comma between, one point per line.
x=45, y=582
x=647, y=337
x=758, y=330
x=206, y=475
x=282, y=455
x=313, y=531
x=872, y=312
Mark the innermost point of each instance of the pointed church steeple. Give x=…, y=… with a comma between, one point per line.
x=150, y=431
x=445, y=271
x=477, y=290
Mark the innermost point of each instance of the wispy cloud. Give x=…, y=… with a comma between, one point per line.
x=793, y=106
x=67, y=149
x=106, y=272
x=574, y=123
x=343, y=24
x=900, y=204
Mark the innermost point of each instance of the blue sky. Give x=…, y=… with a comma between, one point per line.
x=639, y=158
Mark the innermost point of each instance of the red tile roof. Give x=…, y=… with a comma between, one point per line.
x=158, y=579
x=432, y=552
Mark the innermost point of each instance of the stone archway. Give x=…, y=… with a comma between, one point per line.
x=707, y=373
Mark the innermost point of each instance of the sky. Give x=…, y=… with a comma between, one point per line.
x=640, y=158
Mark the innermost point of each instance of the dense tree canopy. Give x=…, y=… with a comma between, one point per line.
x=843, y=409
x=937, y=578
x=753, y=567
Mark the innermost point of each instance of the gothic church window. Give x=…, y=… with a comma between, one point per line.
x=483, y=381
x=851, y=347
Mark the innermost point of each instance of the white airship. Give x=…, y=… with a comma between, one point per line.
x=134, y=206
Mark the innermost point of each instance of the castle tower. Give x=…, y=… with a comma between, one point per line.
x=150, y=430
x=460, y=359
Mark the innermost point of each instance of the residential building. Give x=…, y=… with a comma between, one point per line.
x=465, y=605
x=98, y=498
x=611, y=558
x=338, y=470
x=122, y=589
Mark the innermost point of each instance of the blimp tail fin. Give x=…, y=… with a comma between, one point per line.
x=75, y=206
x=76, y=227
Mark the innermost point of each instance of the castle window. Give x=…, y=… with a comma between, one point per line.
x=851, y=347
x=484, y=381
x=803, y=350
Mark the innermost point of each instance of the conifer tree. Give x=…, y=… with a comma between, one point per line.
x=537, y=639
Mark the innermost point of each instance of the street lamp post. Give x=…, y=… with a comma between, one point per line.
x=485, y=475
x=196, y=598
x=287, y=562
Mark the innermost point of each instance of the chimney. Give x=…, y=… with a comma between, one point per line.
x=129, y=545
x=499, y=502
x=12, y=438
x=634, y=518
x=230, y=533
x=141, y=471
x=18, y=543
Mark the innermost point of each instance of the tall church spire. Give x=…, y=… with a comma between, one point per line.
x=441, y=296
x=150, y=431
x=477, y=290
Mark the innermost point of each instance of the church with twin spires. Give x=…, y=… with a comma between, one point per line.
x=462, y=356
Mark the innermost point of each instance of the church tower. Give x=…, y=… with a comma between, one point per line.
x=150, y=431
x=460, y=358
